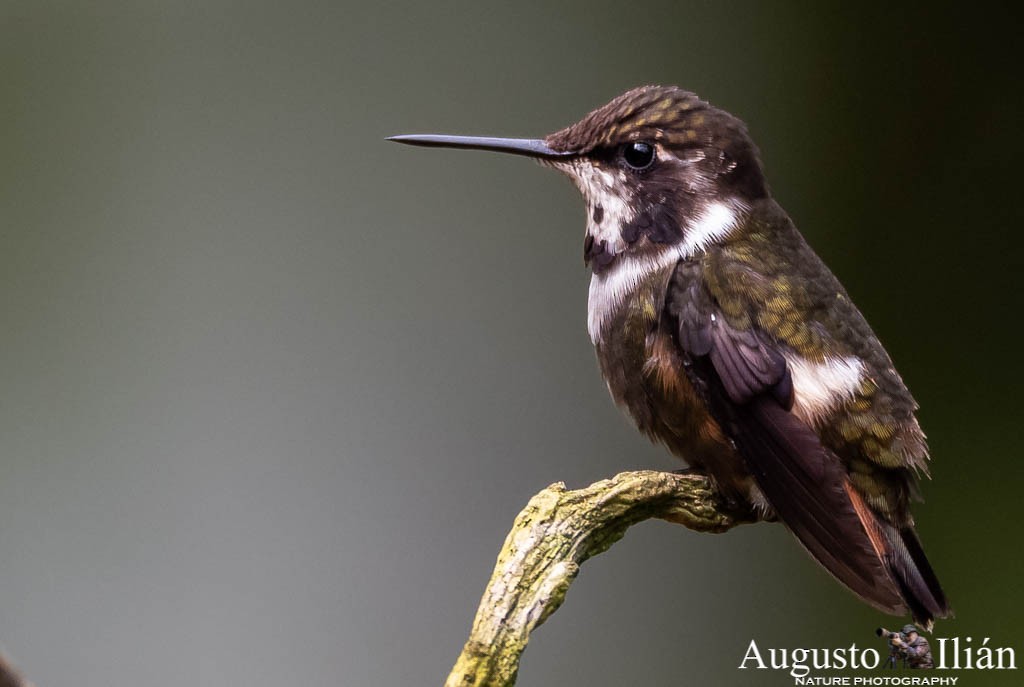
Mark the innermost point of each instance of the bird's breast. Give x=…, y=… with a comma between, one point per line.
x=646, y=376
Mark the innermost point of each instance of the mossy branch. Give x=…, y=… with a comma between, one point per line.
x=551, y=538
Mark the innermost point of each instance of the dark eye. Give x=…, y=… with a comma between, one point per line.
x=639, y=155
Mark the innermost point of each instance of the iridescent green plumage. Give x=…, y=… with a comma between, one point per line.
x=766, y=276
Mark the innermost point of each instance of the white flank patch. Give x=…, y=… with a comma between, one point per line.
x=712, y=223
x=819, y=388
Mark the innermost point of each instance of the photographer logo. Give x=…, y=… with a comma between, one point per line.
x=905, y=650
x=907, y=646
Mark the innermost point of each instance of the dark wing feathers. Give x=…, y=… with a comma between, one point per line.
x=746, y=366
x=805, y=484
x=693, y=311
x=749, y=390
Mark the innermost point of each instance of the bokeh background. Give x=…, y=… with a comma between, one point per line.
x=273, y=389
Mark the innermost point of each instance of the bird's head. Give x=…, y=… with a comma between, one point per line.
x=661, y=172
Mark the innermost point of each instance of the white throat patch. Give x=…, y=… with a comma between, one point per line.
x=609, y=289
x=712, y=223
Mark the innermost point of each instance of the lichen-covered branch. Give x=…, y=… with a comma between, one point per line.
x=551, y=537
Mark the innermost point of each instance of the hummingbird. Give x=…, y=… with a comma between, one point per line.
x=725, y=338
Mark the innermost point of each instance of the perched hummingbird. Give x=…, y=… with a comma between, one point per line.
x=725, y=337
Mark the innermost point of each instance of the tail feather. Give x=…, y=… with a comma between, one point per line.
x=915, y=577
x=904, y=559
x=808, y=488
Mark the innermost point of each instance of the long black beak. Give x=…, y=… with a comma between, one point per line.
x=530, y=147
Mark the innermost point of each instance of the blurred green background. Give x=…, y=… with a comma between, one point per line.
x=273, y=389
